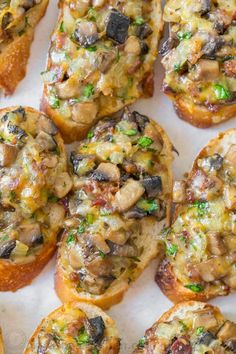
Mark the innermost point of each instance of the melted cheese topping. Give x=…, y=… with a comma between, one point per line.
x=33, y=161
x=92, y=70
x=190, y=329
x=72, y=329
x=120, y=177
x=201, y=243
x=200, y=55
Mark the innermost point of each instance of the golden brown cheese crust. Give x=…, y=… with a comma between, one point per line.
x=122, y=195
x=33, y=165
x=199, y=262
x=16, y=44
x=190, y=327
x=199, y=60
x=116, y=65
x=73, y=328
x=1, y=343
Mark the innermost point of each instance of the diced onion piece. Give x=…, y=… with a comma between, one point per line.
x=128, y=195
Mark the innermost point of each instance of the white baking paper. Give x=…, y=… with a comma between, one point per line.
x=144, y=303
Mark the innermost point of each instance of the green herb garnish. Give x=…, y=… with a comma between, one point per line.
x=54, y=102
x=171, y=250
x=200, y=330
x=61, y=27
x=184, y=327
x=145, y=141
x=89, y=219
x=130, y=132
x=177, y=67
x=102, y=254
x=138, y=21
x=82, y=338
x=196, y=288
x=81, y=228
x=70, y=239
x=141, y=342
x=202, y=207
x=184, y=35
x=221, y=92
x=90, y=135
x=92, y=14
x=88, y=91
x=92, y=48
x=149, y=205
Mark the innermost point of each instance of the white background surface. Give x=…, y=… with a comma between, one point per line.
x=21, y=312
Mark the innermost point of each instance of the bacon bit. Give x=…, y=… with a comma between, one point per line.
x=75, y=326
x=148, y=85
x=230, y=68
x=98, y=202
x=61, y=38
x=135, y=67
x=181, y=346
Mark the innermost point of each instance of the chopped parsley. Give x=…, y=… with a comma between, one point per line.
x=202, y=207
x=102, y=254
x=92, y=14
x=177, y=67
x=81, y=228
x=221, y=92
x=200, y=330
x=12, y=196
x=95, y=351
x=184, y=35
x=92, y=48
x=141, y=342
x=54, y=102
x=4, y=238
x=89, y=219
x=196, y=288
x=171, y=250
x=52, y=198
x=149, y=205
x=70, y=239
x=138, y=21
x=145, y=141
x=88, y=91
x=61, y=27
x=104, y=212
x=184, y=327
x=82, y=338
x=90, y=135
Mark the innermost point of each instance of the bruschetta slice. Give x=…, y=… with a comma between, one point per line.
x=190, y=327
x=75, y=328
x=33, y=178
x=200, y=246
x=1, y=343
x=122, y=187
x=101, y=58
x=18, y=19
x=200, y=60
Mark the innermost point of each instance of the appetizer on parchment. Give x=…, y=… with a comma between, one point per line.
x=122, y=187
x=75, y=328
x=18, y=19
x=200, y=59
x=101, y=58
x=33, y=178
x=190, y=327
x=201, y=244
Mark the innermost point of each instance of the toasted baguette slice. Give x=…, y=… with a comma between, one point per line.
x=116, y=61
x=121, y=199
x=32, y=178
x=75, y=328
x=16, y=35
x=190, y=327
x=1, y=343
x=200, y=60
x=200, y=245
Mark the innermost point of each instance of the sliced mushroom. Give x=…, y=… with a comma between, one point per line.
x=56, y=215
x=181, y=345
x=205, y=6
x=140, y=120
x=82, y=164
x=85, y=113
x=211, y=163
x=86, y=33
x=227, y=331
x=17, y=131
x=213, y=269
x=128, y=195
x=231, y=345
x=119, y=237
x=95, y=328
x=99, y=241
x=63, y=185
x=205, y=318
x=206, y=70
x=124, y=250
x=68, y=88
x=179, y=191
x=135, y=213
x=94, y=285
x=26, y=4
x=106, y=171
x=79, y=207
x=215, y=243
x=46, y=125
x=30, y=234
x=6, y=20
x=169, y=44
x=101, y=267
x=75, y=257
x=206, y=338
x=152, y=185
x=6, y=248
x=8, y=154
x=45, y=141
x=20, y=111
x=212, y=46
x=104, y=60
x=117, y=26
x=230, y=196
x=143, y=31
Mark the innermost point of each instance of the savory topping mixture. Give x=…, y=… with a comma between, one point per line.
x=101, y=57
x=73, y=330
x=14, y=19
x=201, y=244
x=200, y=54
x=32, y=179
x=190, y=329
x=120, y=177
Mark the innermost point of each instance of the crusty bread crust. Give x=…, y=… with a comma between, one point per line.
x=200, y=116
x=1, y=343
x=14, y=276
x=73, y=131
x=165, y=277
x=14, y=57
x=150, y=230
x=89, y=309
